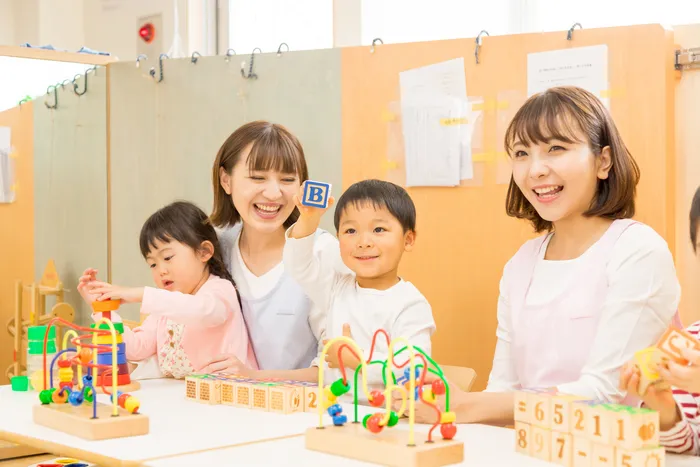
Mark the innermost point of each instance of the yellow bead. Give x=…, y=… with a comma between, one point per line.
x=131, y=404
x=328, y=398
x=428, y=395
x=448, y=417
x=65, y=375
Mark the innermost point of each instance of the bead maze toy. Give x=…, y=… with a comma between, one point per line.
x=270, y=395
x=573, y=431
x=72, y=407
x=49, y=285
x=377, y=439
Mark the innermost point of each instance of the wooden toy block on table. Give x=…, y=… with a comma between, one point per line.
x=316, y=194
x=272, y=395
x=571, y=431
x=378, y=440
x=72, y=407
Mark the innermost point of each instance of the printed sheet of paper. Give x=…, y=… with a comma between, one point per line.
x=585, y=67
x=436, y=127
x=7, y=176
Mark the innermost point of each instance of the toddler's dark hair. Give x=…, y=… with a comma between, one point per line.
x=382, y=194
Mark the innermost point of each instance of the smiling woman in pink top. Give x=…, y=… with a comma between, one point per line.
x=578, y=301
x=194, y=311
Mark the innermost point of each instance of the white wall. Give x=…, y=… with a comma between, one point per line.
x=7, y=23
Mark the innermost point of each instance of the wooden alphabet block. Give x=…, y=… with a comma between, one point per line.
x=648, y=361
x=522, y=438
x=285, y=399
x=634, y=428
x=228, y=391
x=561, y=412
x=243, y=395
x=580, y=415
x=540, y=443
x=562, y=448
x=540, y=404
x=583, y=452
x=520, y=409
x=649, y=457
x=316, y=194
x=311, y=399
x=603, y=455
x=191, y=388
x=675, y=339
x=260, y=397
x=599, y=424
x=209, y=391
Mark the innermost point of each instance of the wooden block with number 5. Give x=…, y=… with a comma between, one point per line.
x=582, y=452
x=311, y=399
x=540, y=443
x=562, y=448
x=561, y=412
x=522, y=438
x=649, y=457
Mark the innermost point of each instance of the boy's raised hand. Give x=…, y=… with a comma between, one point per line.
x=89, y=275
x=309, y=216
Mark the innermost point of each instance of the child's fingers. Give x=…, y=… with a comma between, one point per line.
x=676, y=375
x=693, y=356
x=633, y=384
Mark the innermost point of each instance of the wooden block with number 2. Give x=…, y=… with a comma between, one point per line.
x=311, y=399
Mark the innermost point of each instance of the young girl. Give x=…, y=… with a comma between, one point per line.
x=679, y=407
x=194, y=312
x=255, y=176
x=578, y=301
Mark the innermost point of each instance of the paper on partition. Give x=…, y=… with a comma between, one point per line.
x=433, y=103
x=7, y=191
x=585, y=67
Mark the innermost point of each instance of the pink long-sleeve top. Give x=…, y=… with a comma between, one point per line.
x=212, y=319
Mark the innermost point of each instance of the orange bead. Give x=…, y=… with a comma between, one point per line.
x=373, y=423
x=376, y=398
x=448, y=430
x=85, y=356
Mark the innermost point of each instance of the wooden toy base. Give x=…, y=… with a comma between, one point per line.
x=131, y=387
x=390, y=447
x=77, y=421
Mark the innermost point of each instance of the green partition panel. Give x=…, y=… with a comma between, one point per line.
x=70, y=183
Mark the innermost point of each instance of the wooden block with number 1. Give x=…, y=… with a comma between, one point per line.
x=634, y=428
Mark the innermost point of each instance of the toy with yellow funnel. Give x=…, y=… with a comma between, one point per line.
x=377, y=439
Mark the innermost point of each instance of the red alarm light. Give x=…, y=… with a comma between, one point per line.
x=147, y=32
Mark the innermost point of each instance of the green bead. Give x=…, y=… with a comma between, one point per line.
x=45, y=396
x=364, y=420
x=339, y=388
x=88, y=394
x=393, y=419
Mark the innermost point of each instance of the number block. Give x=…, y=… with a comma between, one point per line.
x=648, y=361
x=675, y=339
x=243, y=396
x=228, y=392
x=649, y=457
x=522, y=438
x=582, y=452
x=540, y=404
x=603, y=455
x=209, y=391
x=634, y=428
x=561, y=412
x=520, y=408
x=540, y=443
x=285, y=399
x=580, y=415
x=562, y=448
x=316, y=194
x=599, y=424
x=260, y=397
x=311, y=399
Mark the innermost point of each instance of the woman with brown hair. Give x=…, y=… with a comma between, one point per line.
x=578, y=301
x=258, y=170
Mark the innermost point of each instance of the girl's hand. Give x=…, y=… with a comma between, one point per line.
x=309, y=216
x=227, y=364
x=105, y=291
x=684, y=377
x=89, y=275
x=657, y=397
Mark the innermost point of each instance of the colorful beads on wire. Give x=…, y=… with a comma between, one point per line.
x=376, y=398
x=448, y=430
x=60, y=396
x=339, y=388
x=46, y=396
x=85, y=356
x=75, y=398
x=126, y=401
x=438, y=387
x=373, y=422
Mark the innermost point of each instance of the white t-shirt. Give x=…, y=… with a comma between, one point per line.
x=639, y=248
x=401, y=311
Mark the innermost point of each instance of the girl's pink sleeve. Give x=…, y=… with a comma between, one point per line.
x=141, y=343
x=209, y=307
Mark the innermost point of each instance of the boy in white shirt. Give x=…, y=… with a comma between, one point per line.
x=375, y=223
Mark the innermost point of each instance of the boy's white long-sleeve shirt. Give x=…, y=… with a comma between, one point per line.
x=401, y=311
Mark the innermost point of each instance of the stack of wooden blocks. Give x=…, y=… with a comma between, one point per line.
x=574, y=432
x=267, y=395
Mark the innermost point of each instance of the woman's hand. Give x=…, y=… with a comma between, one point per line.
x=106, y=291
x=226, y=364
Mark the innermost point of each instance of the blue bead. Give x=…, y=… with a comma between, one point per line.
x=339, y=420
x=407, y=373
x=334, y=410
x=75, y=398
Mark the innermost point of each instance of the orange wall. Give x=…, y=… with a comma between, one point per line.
x=16, y=225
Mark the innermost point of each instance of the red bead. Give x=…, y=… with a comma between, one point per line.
x=64, y=363
x=438, y=387
x=85, y=356
x=373, y=423
x=376, y=398
x=448, y=430
x=65, y=384
x=122, y=400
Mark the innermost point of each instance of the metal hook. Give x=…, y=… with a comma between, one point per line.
x=374, y=42
x=279, y=49
x=55, y=97
x=229, y=54
x=195, y=57
x=139, y=58
x=85, y=88
x=570, y=34
x=160, y=65
x=251, y=75
x=478, y=44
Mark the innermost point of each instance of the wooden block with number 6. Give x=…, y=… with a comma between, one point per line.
x=311, y=399
x=649, y=457
x=540, y=443
x=539, y=406
x=562, y=448
x=561, y=412
x=522, y=438
x=582, y=452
